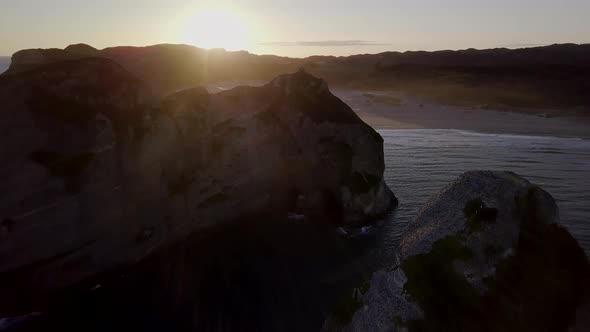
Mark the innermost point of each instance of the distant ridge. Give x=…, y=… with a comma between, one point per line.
x=556, y=54
x=554, y=76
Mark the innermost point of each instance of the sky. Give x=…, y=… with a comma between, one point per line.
x=294, y=28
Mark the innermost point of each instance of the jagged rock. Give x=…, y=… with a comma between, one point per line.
x=99, y=173
x=488, y=254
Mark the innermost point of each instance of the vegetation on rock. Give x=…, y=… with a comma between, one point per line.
x=477, y=213
x=538, y=288
x=444, y=294
x=349, y=304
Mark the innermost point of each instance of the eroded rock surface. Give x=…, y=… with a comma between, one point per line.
x=99, y=173
x=487, y=254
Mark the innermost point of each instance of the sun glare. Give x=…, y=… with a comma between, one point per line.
x=217, y=28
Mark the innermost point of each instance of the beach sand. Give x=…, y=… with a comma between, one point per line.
x=390, y=110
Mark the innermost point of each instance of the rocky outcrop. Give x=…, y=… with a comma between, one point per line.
x=99, y=173
x=487, y=254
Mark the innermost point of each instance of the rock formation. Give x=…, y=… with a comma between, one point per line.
x=99, y=173
x=485, y=254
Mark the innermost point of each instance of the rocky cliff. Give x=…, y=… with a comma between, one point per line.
x=485, y=254
x=99, y=173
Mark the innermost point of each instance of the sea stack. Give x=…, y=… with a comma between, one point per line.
x=487, y=253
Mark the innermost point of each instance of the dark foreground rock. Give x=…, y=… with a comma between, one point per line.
x=98, y=173
x=486, y=254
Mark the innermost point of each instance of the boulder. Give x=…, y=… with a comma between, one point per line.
x=99, y=173
x=487, y=254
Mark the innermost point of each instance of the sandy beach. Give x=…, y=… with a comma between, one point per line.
x=390, y=110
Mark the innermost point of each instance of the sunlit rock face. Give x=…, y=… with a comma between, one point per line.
x=487, y=253
x=99, y=173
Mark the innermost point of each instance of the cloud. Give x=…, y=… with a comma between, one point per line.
x=522, y=45
x=324, y=43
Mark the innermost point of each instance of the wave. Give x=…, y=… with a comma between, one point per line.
x=475, y=133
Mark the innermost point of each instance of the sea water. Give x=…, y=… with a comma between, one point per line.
x=421, y=162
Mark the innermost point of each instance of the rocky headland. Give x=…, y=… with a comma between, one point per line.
x=99, y=173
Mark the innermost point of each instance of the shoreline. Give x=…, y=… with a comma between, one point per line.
x=480, y=132
x=397, y=111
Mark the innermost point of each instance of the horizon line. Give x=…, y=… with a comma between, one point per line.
x=336, y=44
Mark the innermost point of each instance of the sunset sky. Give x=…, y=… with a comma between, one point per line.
x=294, y=28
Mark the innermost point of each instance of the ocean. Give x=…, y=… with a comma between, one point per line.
x=421, y=162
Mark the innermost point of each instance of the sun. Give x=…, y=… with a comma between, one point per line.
x=217, y=28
